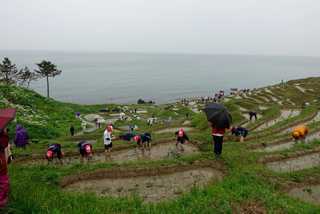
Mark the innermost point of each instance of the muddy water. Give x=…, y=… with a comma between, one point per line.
x=310, y=193
x=173, y=130
x=288, y=145
x=149, y=188
x=295, y=164
x=157, y=152
x=285, y=114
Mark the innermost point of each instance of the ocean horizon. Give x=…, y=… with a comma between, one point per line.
x=106, y=77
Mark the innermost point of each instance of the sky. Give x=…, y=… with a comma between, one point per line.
x=269, y=27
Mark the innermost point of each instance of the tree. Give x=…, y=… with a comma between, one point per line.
x=8, y=72
x=25, y=76
x=47, y=69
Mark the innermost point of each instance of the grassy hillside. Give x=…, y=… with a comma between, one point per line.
x=43, y=117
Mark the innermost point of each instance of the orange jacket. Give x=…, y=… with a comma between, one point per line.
x=300, y=132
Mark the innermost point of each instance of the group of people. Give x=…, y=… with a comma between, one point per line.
x=143, y=142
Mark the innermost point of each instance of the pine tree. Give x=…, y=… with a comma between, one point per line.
x=47, y=69
x=8, y=72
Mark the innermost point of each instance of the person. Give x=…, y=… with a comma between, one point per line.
x=85, y=150
x=240, y=132
x=253, y=114
x=217, y=134
x=300, y=133
x=107, y=139
x=72, y=130
x=143, y=140
x=131, y=128
x=54, y=150
x=96, y=122
x=83, y=125
x=21, y=138
x=4, y=177
x=182, y=137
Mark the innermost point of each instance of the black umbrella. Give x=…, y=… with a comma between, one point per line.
x=218, y=115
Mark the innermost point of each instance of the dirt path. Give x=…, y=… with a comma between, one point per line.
x=285, y=114
x=91, y=127
x=149, y=188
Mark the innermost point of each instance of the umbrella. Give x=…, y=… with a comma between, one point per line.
x=218, y=115
x=6, y=115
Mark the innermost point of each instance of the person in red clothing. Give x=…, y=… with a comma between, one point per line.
x=217, y=134
x=4, y=178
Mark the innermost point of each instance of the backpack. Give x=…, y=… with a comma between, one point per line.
x=180, y=133
x=87, y=148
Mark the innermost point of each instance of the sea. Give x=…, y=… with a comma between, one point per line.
x=102, y=77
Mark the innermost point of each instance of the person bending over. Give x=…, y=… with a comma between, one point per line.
x=54, y=151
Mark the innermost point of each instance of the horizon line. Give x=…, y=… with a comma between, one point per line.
x=155, y=53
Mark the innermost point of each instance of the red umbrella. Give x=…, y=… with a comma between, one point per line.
x=6, y=115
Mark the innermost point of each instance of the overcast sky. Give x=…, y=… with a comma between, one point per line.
x=271, y=27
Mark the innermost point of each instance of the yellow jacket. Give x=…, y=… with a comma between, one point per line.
x=300, y=132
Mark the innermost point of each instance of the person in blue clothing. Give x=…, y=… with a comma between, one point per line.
x=240, y=132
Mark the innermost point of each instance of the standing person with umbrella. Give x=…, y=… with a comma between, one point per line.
x=219, y=119
x=6, y=115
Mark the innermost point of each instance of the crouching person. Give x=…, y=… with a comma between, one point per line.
x=300, y=133
x=240, y=132
x=54, y=151
x=181, y=139
x=85, y=150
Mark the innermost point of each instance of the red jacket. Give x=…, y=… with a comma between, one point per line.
x=4, y=142
x=218, y=131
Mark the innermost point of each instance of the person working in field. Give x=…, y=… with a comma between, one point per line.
x=182, y=137
x=54, y=150
x=253, y=114
x=300, y=133
x=85, y=150
x=240, y=132
x=107, y=139
x=143, y=141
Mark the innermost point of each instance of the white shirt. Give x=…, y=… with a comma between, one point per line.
x=107, y=138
